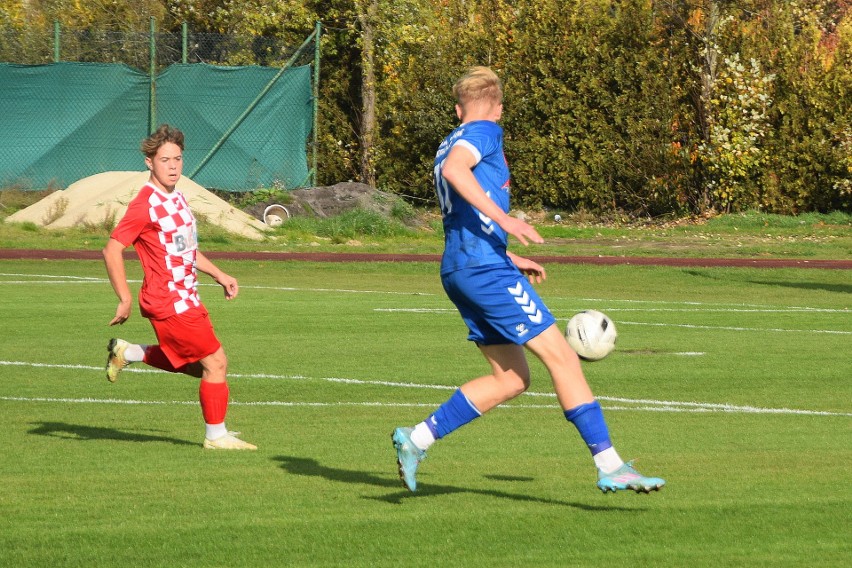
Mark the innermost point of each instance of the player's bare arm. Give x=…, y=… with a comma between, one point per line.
x=457, y=170
x=531, y=269
x=226, y=281
x=114, y=261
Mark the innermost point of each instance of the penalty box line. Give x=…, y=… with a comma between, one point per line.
x=620, y=403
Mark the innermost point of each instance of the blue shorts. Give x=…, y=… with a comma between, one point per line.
x=498, y=304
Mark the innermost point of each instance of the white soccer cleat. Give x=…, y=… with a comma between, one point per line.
x=228, y=442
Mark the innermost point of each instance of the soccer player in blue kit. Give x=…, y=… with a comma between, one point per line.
x=493, y=291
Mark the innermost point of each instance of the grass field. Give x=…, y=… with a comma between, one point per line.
x=733, y=384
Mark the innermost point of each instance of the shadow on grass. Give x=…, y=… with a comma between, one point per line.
x=828, y=287
x=86, y=433
x=841, y=288
x=311, y=467
x=509, y=477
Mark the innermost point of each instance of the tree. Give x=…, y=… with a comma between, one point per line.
x=367, y=12
x=648, y=107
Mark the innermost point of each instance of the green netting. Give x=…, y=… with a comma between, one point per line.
x=246, y=127
x=66, y=121
x=268, y=146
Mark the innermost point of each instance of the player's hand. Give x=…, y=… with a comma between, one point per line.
x=534, y=272
x=229, y=285
x=521, y=230
x=122, y=313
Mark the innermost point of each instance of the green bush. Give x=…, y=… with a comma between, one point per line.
x=613, y=106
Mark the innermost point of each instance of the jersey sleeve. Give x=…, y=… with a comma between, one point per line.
x=480, y=140
x=471, y=147
x=135, y=220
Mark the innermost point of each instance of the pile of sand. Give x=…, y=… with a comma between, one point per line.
x=102, y=199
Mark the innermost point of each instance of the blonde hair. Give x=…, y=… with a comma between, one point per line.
x=162, y=135
x=478, y=84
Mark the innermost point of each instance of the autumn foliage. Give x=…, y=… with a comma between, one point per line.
x=641, y=107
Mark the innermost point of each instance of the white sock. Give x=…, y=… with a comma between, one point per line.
x=422, y=436
x=135, y=353
x=215, y=431
x=608, y=460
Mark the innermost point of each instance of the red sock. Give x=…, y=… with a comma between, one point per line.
x=214, y=401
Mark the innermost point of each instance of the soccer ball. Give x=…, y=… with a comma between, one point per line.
x=591, y=334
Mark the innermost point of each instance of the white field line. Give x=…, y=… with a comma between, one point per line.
x=657, y=324
x=694, y=306
x=725, y=305
x=622, y=322
x=49, y=276
x=697, y=307
x=648, y=405
x=651, y=310
x=53, y=279
x=336, y=290
x=731, y=328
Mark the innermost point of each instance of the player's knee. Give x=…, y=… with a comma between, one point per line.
x=515, y=385
x=220, y=365
x=216, y=365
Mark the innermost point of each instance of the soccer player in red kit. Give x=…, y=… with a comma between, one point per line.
x=162, y=230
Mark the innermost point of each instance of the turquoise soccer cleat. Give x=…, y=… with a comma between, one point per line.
x=626, y=477
x=408, y=456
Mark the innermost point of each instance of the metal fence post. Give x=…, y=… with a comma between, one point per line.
x=183, y=46
x=315, y=143
x=252, y=106
x=152, y=123
x=56, y=41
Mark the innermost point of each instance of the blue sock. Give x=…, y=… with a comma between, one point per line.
x=589, y=420
x=452, y=415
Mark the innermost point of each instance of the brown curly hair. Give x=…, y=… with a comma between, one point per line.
x=164, y=134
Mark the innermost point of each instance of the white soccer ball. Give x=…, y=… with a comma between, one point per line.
x=557, y=217
x=274, y=220
x=591, y=334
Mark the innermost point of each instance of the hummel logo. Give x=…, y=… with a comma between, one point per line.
x=522, y=329
x=487, y=225
x=527, y=305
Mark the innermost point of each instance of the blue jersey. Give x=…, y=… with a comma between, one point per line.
x=470, y=238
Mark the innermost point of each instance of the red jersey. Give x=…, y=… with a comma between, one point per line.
x=162, y=229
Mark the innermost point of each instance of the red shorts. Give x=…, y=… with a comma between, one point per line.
x=186, y=338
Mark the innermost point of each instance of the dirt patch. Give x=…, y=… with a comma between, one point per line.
x=102, y=199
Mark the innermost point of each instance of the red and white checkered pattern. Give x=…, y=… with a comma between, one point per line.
x=162, y=229
x=177, y=234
